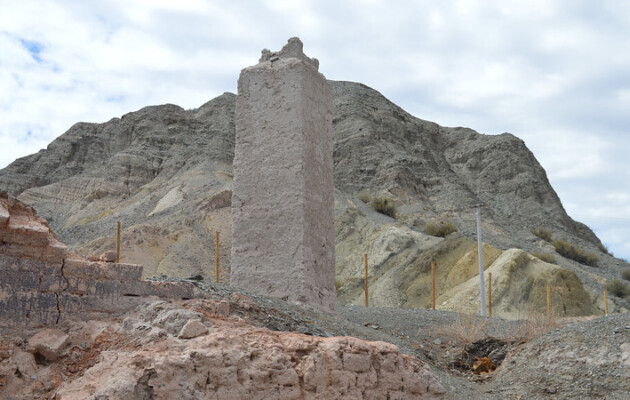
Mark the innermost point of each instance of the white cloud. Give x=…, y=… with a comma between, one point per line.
x=555, y=73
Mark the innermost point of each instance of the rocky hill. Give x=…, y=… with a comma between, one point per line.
x=72, y=328
x=165, y=173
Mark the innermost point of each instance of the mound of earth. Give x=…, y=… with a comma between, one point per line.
x=588, y=360
x=519, y=282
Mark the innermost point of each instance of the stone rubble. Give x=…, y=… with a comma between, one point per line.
x=192, y=329
x=49, y=343
x=235, y=360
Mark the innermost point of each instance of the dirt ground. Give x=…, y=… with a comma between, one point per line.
x=472, y=357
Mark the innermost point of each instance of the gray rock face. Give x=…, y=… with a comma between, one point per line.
x=282, y=202
x=162, y=171
x=429, y=169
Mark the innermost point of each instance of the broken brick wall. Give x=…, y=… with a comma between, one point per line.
x=41, y=282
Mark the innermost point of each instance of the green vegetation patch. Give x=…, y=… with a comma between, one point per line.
x=569, y=250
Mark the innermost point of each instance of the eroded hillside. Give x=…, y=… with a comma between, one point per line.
x=165, y=173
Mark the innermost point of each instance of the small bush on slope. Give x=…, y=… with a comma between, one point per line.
x=543, y=234
x=384, y=206
x=618, y=288
x=364, y=197
x=569, y=250
x=440, y=229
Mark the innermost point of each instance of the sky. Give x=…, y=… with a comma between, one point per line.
x=555, y=73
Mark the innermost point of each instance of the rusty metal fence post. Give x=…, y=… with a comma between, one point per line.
x=490, y=293
x=366, y=278
x=118, y=241
x=218, y=254
x=433, y=285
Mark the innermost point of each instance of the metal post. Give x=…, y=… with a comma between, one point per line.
x=217, y=252
x=366, y=279
x=118, y=241
x=433, y=285
x=606, y=302
x=548, y=303
x=490, y=293
x=482, y=286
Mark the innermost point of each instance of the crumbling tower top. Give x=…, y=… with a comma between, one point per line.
x=293, y=49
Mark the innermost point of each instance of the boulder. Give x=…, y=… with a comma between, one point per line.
x=192, y=329
x=50, y=343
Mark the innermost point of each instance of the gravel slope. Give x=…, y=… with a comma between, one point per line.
x=567, y=359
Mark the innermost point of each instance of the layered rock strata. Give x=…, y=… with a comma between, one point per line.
x=43, y=283
x=283, y=195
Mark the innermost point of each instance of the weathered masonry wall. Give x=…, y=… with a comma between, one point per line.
x=282, y=202
x=42, y=283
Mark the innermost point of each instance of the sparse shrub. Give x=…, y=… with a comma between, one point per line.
x=467, y=329
x=626, y=274
x=536, y=324
x=618, y=288
x=569, y=250
x=440, y=229
x=543, y=234
x=364, y=197
x=546, y=257
x=384, y=206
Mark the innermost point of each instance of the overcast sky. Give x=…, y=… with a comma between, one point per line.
x=554, y=73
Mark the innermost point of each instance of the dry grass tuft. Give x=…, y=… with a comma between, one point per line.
x=543, y=234
x=472, y=328
x=546, y=257
x=440, y=229
x=535, y=325
x=467, y=329
x=569, y=250
x=384, y=206
x=618, y=288
x=365, y=197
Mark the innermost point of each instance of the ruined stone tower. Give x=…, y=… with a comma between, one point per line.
x=282, y=201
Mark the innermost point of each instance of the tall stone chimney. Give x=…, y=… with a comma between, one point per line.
x=282, y=199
